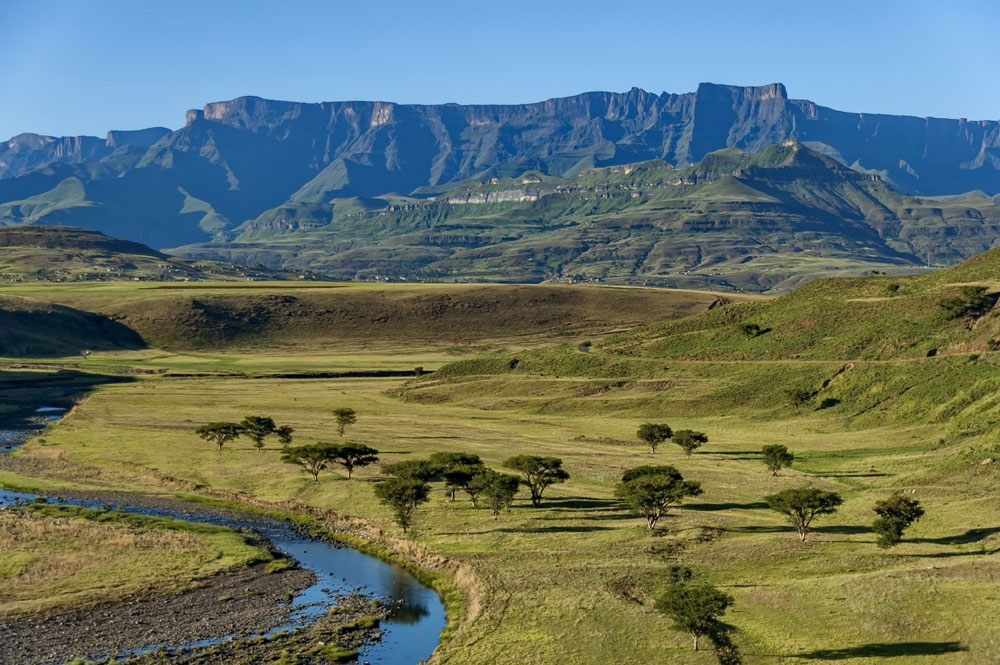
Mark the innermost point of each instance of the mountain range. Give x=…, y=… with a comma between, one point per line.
x=350, y=187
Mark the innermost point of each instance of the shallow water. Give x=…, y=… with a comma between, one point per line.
x=13, y=438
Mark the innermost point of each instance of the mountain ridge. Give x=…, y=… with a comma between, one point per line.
x=779, y=116
x=735, y=220
x=255, y=164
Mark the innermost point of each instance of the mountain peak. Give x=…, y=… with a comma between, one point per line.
x=752, y=92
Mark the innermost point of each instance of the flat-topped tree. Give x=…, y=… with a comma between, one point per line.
x=313, y=458
x=801, y=505
x=257, y=428
x=413, y=469
x=353, y=455
x=499, y=490
x=284, y=434
x=219, y=433
x=476, y=485
x=654, y=434
x=457, y=469
x=344, y=418
x=538, y=473
x=402, y=495
x=689, y=440
x=651, y=490
x=695, y=608
x=776, y=457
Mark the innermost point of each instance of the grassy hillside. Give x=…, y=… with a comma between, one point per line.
x=735, y=220
x=30, y=328
x=67, y=254
x=867, y=351
x=213, y=316
x=872, y=318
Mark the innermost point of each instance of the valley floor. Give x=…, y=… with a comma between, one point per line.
x=572, y=581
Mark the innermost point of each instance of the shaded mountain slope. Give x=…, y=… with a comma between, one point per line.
x=32, y=328
x=307, y=180
x=736, y=219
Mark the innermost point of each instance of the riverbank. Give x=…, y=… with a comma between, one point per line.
x=240, y=602
x=338, y=601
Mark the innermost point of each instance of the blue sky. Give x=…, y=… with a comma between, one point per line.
x=85, y=66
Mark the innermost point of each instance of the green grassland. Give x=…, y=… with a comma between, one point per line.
x=572, y=581
x=60, y=557
x=561, y=577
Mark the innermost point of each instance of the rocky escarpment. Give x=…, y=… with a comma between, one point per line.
x=26, y=152
x=235, y=161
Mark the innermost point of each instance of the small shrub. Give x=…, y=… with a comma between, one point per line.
x=969, y=301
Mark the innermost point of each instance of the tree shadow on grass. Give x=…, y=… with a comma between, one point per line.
x=580, y=503
x=711, y=507
x=886, y=650
x=844, y=529
x=852, y=474
x=532, y=529
x=967, y=538
x=612, y=514
x=736, y=454
x=946, y=555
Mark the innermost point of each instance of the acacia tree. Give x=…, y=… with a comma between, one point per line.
x=689, y=440
x=801, y=505
x=402, y=495
x=798, y=397
x=344, y=418
x=654, y=434
x=219, y=433
x=313, y=458
x=476, y=485
x=284, y=434
x=353, y=455
x=895, y=515
x=457, y=469
x=538, y=472
x=776, y=457
x=651, y=490
x=413, y=469
x=499, y=490
x=257, y=428
x=695, y=608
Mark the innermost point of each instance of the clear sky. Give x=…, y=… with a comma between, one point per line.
x=85, y=66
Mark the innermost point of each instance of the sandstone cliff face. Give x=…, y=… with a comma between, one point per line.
x=26, y=152
x=409, y=146
x=377, y=147
x=242, y=157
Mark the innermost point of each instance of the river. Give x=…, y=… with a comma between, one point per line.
x=410, y=634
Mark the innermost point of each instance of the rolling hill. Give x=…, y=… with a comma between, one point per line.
x=69, y=254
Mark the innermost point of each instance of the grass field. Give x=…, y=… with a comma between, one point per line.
x=563, y=581
x=572, y=581
x=59, y=558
